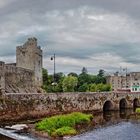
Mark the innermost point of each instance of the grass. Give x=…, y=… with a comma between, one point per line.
x=137, y=110
x=65, y=130
x=63, y=124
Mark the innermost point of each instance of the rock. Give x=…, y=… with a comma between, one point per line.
x=17, y=127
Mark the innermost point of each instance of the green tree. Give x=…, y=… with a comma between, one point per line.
x=69, y=83
x=84, y=78
x=73, y=74
x=100, y=78
x=84, y=70
x=83, y=88
x=106, y=87
x=45, y=76
x=101, y=73
x=99, y=87
x=92, y=88
x=58, y=76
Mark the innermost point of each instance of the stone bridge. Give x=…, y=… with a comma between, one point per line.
x=23, y=106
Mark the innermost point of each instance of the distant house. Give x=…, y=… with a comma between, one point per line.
x=129, y=82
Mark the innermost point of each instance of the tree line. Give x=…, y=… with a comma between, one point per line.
x=74, y=82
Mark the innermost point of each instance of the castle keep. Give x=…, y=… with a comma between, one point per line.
x=26, y=74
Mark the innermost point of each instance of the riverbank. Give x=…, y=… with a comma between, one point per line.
x=101, y=120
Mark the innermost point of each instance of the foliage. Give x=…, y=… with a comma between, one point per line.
x=73, y=74
x=58, y=77
x=45, y=75
x=84, y=70
x=101, y=73
x=69, y=83
x=53, y=124
x=63, y=131
x=83, y=88
x=99, y=87
x=137, y=110
x=92, y=88
x=84, y=78
x=74, y=82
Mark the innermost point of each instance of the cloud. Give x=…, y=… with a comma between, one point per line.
x=105, y=61
x=81, y=33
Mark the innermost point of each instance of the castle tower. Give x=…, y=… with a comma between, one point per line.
x=29, y=56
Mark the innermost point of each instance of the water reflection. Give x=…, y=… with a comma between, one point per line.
x=122, y=114
x=118, y=125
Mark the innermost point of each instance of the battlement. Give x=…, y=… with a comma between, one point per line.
x=31, y=42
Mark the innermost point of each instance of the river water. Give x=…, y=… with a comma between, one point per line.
x=120, y=131
x=116, y=126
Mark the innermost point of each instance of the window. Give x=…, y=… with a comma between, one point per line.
x=132, y=89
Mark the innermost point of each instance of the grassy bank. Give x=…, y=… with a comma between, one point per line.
x=62, y=125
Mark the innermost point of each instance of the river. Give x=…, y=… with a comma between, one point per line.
x=120, y=131
x=116, y=126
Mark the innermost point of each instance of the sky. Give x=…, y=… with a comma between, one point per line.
x=96, y=34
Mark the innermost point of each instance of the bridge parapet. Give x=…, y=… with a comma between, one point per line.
x=21, y=106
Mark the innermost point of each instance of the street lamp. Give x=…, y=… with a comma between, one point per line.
x=53, y=58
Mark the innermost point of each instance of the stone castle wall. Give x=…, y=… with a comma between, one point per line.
x=2, y=75
x=24, y=76
x=18, y=79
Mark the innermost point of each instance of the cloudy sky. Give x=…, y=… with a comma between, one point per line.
x=97, y=34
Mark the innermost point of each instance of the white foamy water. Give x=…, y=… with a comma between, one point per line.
x=11, y=134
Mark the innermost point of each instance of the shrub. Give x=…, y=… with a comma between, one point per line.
x=137, y=110
x=53, y=124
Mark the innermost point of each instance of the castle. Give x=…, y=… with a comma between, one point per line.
x=26, y=74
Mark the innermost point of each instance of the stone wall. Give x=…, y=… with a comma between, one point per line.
x=2, y=75
x=18, y=79
x=24, y=106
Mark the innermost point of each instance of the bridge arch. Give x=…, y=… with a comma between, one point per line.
x=108, y=106
x=135, y=103
x=123, y=103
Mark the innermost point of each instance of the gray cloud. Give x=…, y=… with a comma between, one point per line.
x=92, y=33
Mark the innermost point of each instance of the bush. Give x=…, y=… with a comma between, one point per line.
x=53, y=124
x=137, y=110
